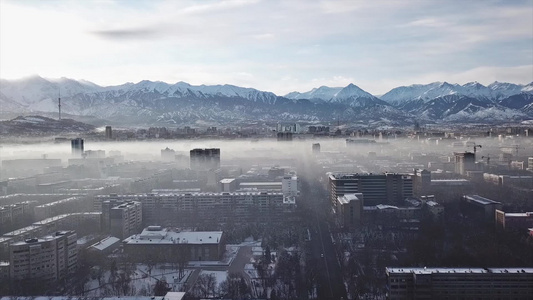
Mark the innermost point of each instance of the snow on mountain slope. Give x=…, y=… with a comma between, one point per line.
x=459, y=108
x=351, y=91
x=322, y=93
x=528, y=88
x=504, y=89
x=350, y=95
x=156, y=101
x=493, y=92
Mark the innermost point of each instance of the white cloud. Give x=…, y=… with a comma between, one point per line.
x=271, y=45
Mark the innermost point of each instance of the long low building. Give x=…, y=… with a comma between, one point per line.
x=480, y=207
x=514, y=221
x=161, y=244
x=460, y=283
x=71, y=221
x=191, y=209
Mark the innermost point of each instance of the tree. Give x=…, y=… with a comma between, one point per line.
x=161, y=288
x=205, y=285
x=268, y=255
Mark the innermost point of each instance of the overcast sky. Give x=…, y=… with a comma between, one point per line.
x=278, y=46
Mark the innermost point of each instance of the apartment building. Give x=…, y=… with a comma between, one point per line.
x=350, y=210
x=464, y=161
x=70, y=204
x=459, y=283
x=205, y=159
x=121, y=218
x=387, y=188
x=49, y=258
x=186, y=209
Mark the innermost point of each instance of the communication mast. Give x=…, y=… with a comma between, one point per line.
x=59, y=104
x=475, y=148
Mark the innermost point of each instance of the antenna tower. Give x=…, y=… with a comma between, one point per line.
x=59, y=104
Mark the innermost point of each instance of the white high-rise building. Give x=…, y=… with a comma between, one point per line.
x=289, y=185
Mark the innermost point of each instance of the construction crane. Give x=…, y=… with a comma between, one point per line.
x=475, y=148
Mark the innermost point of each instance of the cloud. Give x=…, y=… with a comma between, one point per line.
x=126, y=34
x=285, y=45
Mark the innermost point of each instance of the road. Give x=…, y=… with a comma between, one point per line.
x=322, y=250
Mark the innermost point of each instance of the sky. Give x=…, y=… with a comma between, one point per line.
x=278, y=46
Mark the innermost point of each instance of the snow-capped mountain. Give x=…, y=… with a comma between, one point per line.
x=323, y=93
x=426, y=92
x=152, y=102
x=350, y=95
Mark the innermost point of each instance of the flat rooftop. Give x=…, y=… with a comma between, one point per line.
x=347, y=198
x=458, y=270
x=519, y=215
x=105, y=243
x=260, y=184
x=227, y=180
x=22, y=230
x=49, y=237
x=480, y=200
x=59, y=202
x=189, y=194
x=157, y=235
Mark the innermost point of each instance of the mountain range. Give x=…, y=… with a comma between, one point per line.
x=149, y=102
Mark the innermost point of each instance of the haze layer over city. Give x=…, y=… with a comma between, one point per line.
x=266, y=150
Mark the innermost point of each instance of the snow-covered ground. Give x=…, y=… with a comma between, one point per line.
x=219, y=275
x=142, y=281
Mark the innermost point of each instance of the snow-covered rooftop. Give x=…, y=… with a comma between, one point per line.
x=159, y=235
x=458, y=270
x=480, y=200
x=347, y=198
x=519, y=215
x=105, y=243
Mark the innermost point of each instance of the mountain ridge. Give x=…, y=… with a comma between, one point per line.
x=157, y=101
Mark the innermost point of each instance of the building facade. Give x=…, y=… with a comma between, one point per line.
x=49, y=258
x=289, y=185
x=121, y=218
x=514, y=221
x=349, y=210
x=162, y=244
x=191, y=209
x=76, y=146
x=387, y=188
x=205, y=159
x=479, y=207
x=460, y=283
x=464, y=161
